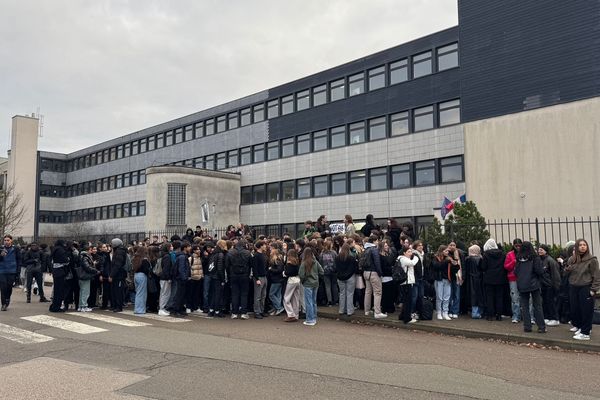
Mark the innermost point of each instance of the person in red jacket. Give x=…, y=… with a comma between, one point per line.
x=509, y=266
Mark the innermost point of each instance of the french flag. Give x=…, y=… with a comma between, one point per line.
x=448, y=206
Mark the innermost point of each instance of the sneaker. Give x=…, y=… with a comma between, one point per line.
x=574, y=329
x=581, y=336
x=290, y=319
x=163, y=313
x=367, y=313
x=87, y=309
x=533, y=322
x=258, y=316
x=310, y=323
x=198, y=312
x=515, y=321
x=245, y=316
x=552, y=322
x=453, y=316
x=272, y=312
x=381, y=315
x=187, y=310
x=446, y=316
x=80, y=310
x=541, y=330
x=278, y=312
x=439, y=316
x=412, y=321
x=546, y=321
x=4, y=307
x=234, y=316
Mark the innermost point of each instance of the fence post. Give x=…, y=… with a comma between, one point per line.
x=537, y=231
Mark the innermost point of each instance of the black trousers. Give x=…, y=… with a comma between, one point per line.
x=6, y=285
x=494, y=295
x=405, y=292
x=94, y=285
x=549, y=303
x=72, y=292
x=58, y=276
x=239, y=294
x=582, y=308
x=538, y=311
x=216, y=302
x=178, y=289
x=388, y=296
x=37, y=275
x=106, y=293
x=116, y=290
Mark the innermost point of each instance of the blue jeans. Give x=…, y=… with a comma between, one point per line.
x=310, y=302
x=515, y=301
x=275, y=296
x=418, y=292
x=206, y=293
x=454, y=299
x=442, y=295
x=141, y=292
x=84, y=293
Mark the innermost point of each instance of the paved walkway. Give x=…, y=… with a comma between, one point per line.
x=558, y=336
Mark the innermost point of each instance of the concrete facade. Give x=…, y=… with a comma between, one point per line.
x=220, y=189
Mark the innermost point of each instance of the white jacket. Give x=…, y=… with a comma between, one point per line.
x=409, y=267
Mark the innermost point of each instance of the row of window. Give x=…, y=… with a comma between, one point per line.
x=421, y=173
x=424, y=118
x=99, y=185
x=398, y=71
x=124, y=210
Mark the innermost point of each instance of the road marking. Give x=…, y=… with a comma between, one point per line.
x=63, y=324
x=109, y=319
x=21, y=335
x=156, y=317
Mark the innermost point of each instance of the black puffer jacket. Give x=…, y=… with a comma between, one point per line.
x=492, y=266
x=217, y=261
x=117, y=270
x=529, y=274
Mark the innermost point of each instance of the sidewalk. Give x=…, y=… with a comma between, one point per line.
x=558, y=336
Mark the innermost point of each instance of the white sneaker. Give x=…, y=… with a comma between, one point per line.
x=446, y=316
x=381, y=315
x=80, y=309
x=439, y=316
x=87, y=309
x=187, y=310
x=515, y=321
x=234, y=316
x=412, y=321
x=245, y=316
x=581, y=336
x=533, y=322
x=453, y=316
x=574, y=329
x=552, y=322
x=163, y=313
x=367, y=313
x=313, y=323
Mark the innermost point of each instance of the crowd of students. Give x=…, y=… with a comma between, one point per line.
x=378, y=271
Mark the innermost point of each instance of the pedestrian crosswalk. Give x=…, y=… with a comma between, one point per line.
x=67, y=323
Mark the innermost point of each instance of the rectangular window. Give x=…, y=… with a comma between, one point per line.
x=178, y=135
x=273, y=150
x=119, y=181
x=93, y=162
x=259, y=153
x=287, y=104
x=377, y=78
x=188, y=133
x=246, y=156
x=319, y=95
x=199, y=162
x=303, y=144
x=320, y=140
x=449, y=112
x=127, y=179
x=337, y=90
x=209, y=127
x=209, y=162
x=232, y=158
x=377, y=129
x=221, y=160
x=111, y=212
x=258, y=194
x=104, y=156
x=135, y=148
x=288, y=190
x=447, y=57
x=246, y=117
x=287, y=147
x=151, y=143
x=104, y=184
x=143, y=145
x=423, y=118
x=142, y=179
x=134, y=178
x=246, y=196
x=221, y=123
x=133, y=209
x=400, y=176
x=169, y=138
x=199, y=128
x=303, y=188
x=356, y=84
x=119, y=211
x=378, y=179
x=105, y=212
x=127, y=150
x=302, y=100
x=421, y=64
x=357, y=133
x=142, y=207
x=398, y=71
x=358, y=181
x=320, y=186
x=258, y=113
x=338, y=184
x=176, y=199
x=232, y=120
x=425, y=173
x=119, y=155
x=160, y=141
x=273, y=192
x=273, y=109
x=113, y=155
x=451, y=169
x=399, y=123
x=338, y=136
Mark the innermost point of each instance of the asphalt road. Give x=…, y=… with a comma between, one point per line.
x=131, y=357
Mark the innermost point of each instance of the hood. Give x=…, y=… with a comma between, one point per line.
x=368, y=245
x=494, y=253
x=489, y=245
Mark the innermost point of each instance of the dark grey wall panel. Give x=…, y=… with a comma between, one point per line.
x=522, y=54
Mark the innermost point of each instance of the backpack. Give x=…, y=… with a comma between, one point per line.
x=157, y=270
x=166, y=273
x=427, y=311
x=128, y=267
x=365, y=261
x=328, y=262
x=399, y=275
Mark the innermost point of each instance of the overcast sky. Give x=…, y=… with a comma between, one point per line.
x=102, y=69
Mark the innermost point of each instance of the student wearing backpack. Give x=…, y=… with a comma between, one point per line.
x=165, y=275
x=346, y=266
x=309, y=272
x=327, y=259
x=371, y=263
x=181, y=275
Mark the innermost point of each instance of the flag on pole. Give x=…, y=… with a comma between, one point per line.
x=448, y=206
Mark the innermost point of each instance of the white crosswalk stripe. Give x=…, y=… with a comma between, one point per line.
x=110, y=319
x=157, y=317
x=63, y=324
x=22, y=336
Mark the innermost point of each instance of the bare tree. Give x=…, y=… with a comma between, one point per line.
x=12, y=210
x=78, y=230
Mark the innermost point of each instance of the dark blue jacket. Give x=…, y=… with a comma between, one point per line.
x=183, y=267
x=11, y=262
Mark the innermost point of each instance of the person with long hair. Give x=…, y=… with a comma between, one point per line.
x=349, y=228
x=141, y=268
x=345, y=267
x=529, y=272
x=194, y=285
x=475, y=275
x=387, y=255
x=584, y=285
x=153, y=280
x=407, y=262
x=443, y=267
x=327, y=259
x=309, y=273
x=291, y=297
x=275, y=278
